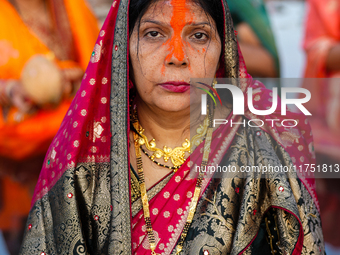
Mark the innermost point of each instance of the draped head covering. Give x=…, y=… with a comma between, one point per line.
x=82, y=202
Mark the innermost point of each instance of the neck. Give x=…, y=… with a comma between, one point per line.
x=167, y=128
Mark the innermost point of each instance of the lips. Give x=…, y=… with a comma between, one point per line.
x=175, y=86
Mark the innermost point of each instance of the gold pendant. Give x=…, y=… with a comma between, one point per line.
x=176, y=155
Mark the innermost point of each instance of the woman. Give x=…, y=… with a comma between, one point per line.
x=90, y=200
x=50, y=30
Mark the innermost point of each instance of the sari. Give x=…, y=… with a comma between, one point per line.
x=30, y=137
x=87, y=199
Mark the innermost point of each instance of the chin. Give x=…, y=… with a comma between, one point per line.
x=175, y=105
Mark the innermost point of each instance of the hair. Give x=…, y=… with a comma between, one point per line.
x=213, y=8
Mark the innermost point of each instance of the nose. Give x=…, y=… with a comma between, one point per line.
x=177, y=56
x=174, y=61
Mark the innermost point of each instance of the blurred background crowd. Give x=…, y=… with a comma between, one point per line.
x=51, y=41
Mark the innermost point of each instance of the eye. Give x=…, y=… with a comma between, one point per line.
x=153, y=34
x=200, y=36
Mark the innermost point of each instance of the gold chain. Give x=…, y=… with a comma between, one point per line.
x=159, y=164
x=201, y=131
x=144, y=197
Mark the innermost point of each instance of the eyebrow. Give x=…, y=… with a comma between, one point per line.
x=165, y=24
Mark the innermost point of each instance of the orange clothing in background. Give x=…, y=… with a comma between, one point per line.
x=17, y=45
x=322, y=33
x=32, y=136
x=16, y=200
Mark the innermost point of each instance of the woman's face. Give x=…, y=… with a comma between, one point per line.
x=176, y=41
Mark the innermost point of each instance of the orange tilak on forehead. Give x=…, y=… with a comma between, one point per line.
x=177, y=22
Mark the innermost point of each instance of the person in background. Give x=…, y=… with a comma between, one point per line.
x=322, y=46
x=255, y=37
x=45, y=46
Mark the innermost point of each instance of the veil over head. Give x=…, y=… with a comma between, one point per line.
x=82, y=202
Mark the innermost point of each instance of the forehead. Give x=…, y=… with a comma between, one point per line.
x=165, y=9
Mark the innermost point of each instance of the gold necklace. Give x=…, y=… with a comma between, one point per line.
x=194, y=200
x=176, y=155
